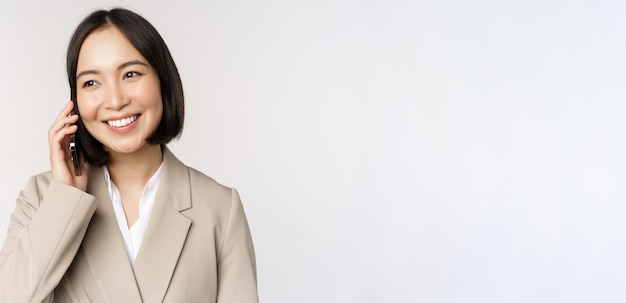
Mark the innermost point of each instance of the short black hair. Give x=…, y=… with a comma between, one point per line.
x=145, y=38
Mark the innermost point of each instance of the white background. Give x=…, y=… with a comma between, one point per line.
x=385, y=151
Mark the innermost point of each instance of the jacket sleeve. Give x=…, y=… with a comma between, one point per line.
x=45, y=231
x=236, y=267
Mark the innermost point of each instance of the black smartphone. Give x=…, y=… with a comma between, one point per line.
x=74, y=151
x=74, y=148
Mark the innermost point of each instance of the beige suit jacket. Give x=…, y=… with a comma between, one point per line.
x=64, y=245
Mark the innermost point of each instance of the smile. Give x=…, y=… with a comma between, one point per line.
x=122, y=122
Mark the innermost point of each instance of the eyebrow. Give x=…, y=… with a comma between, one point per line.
x=122, y=66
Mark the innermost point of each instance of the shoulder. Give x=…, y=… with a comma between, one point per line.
x=209, y=195
x=200, y=185
x=35, y=188
x=42, y=187
x=204, y=194
x=41, y=182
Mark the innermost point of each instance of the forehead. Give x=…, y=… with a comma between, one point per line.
x=106, y=47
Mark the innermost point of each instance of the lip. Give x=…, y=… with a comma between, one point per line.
x=123, y=129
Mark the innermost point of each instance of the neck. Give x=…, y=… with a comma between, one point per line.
x=135, y=168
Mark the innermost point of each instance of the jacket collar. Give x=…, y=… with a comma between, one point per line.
x=162, y=244
x=174, y=184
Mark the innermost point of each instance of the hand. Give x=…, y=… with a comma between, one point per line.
x=60, y=155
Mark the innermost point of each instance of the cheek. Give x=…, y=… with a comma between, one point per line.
x=87, y=107
x=88, y=114
x=149, y=95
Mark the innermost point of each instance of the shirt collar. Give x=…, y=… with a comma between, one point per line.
x=152, y=182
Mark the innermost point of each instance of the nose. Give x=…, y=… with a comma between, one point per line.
x=116, y=98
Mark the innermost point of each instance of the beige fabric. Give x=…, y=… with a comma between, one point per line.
x=63, y=245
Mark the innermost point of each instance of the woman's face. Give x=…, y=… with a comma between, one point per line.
x=118, y=92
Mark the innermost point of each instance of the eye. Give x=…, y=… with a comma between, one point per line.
x=89, y=83
x=131, y=74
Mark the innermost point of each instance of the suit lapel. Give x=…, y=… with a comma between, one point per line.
x=104, y=248
x=166, y=232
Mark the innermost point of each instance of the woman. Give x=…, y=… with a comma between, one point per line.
x=136, y=225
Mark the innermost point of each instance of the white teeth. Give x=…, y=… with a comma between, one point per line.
x=122, y=122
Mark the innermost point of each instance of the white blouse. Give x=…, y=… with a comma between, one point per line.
x=133, y=235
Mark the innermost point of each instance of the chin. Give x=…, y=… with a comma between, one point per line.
x=127, y=148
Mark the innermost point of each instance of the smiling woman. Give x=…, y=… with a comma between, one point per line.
x=139, y=226
x=131, y=46
x=118, y=94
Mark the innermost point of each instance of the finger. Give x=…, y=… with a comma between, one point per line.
x=63, y=115
x=71, y=119
x=60, y=138
x=67, y=109
x=64, y=132
x=62, y=123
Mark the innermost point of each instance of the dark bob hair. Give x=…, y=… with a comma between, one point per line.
x=145, y=38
